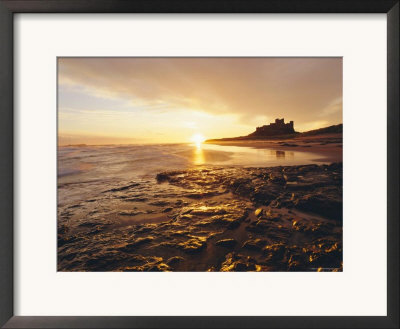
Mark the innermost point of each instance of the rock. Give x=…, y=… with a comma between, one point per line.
x=130, y=213
x=297, y=225
x=136, y=199
x=104, y=260
x=227, y=243
x=137, y=243
x=123, y=188
x=201, y=195
x=261, y=226
x=208, y=211
x=308, y=168
x=264, y=194
x=242, y=186
x=192, y=246
x=185, y=217
x=322, y=205
x=237, y=263
x=256, y=244
x=63, y=229
x=269, y=215
x=162, y=177
x=161, y=267
x=144, y=228
x=175, y=260
x=159, y=203
x=296, y=262
x=258, y=212
x=275, y=252
x=336, y=166
x=180, y=233
x=229, y=221
x=152, y=264
x=89, y=224
x=277, y=178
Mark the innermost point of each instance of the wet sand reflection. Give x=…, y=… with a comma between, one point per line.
x=282, y=154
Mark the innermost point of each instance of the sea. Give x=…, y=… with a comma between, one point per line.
x=85, y=171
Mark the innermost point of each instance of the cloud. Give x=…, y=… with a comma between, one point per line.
x=73, y=139
x=334, y=108
x=312, y=125
x=299, y=89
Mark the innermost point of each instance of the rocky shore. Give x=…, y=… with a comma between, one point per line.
x=209, y=219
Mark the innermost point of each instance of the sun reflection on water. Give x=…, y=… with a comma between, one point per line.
x=198, y=155
x=198, y=152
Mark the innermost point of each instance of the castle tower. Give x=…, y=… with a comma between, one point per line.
x=279, y=127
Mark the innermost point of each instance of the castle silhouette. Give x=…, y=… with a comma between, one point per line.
x=279, y=127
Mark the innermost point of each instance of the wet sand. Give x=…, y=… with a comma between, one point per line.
x=329, y=146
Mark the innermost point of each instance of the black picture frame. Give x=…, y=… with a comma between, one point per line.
x=10, y=7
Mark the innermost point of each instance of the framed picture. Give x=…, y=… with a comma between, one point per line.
x=187, y=164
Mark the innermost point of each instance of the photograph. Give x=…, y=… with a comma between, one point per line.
x=200, y=164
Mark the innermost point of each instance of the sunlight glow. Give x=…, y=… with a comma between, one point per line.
x=198, y=139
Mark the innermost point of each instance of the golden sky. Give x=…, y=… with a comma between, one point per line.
x=168, y=100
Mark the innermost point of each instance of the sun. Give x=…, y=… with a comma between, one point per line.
x=197, y=139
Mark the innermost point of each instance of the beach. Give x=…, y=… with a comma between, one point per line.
x=329, y=146
x=227, y=206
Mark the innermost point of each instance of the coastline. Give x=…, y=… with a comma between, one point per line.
x=328, y=146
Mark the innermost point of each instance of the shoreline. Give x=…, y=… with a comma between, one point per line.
x=329, y=146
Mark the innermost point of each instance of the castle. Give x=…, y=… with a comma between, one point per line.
x=279, y=127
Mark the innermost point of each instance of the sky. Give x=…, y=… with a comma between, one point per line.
x=170, y=100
